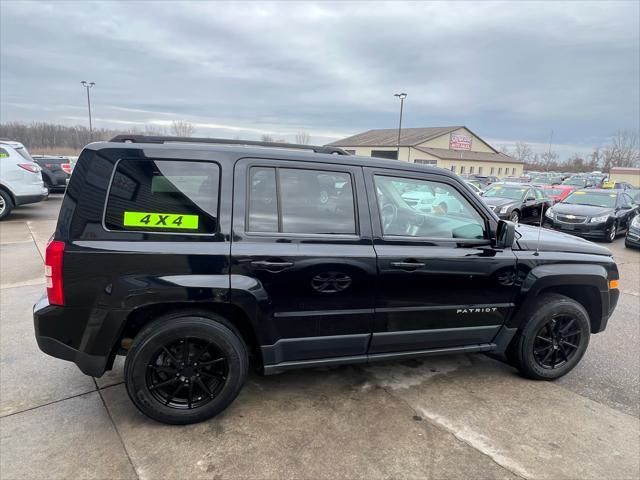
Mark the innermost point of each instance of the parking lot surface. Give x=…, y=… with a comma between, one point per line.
x=467, y=416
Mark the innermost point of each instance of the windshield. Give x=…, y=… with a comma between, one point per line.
x=607, y=200
x=514, y=193
x=580, y=182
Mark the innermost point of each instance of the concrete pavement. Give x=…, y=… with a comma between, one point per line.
x=448, y=417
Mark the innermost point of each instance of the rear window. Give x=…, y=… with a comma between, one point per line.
x=164, y=196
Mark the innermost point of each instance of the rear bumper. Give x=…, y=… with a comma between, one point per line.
x=89, y=364
x=26, y=199
x=71, y=334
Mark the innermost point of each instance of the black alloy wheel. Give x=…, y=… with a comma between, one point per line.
x=611, y=236
x=557, y=341
x=552, y=340
x=187, y=373
x=186, y=366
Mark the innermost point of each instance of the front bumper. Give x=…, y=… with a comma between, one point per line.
x=633, y=237
x=588, y=230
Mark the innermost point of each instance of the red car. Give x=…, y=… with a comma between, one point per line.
x=558, y=192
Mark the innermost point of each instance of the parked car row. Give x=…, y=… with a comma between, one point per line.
x=21, y=179
x=26, y=179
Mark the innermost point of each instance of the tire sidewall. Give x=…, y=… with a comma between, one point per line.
x=512, y=214
x=151, y=341
x=8, y=205
x=552, y=307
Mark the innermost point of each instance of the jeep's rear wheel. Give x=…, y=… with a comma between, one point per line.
x=185, y=368
x=553, y=339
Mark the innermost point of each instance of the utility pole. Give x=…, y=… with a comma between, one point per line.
x=401, y=96
x=88, y=86
x=549, y=152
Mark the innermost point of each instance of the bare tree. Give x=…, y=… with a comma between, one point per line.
x=182, y=129
x=266, y=138
x=504, y=149
x=622, y=151
x=522, y=152
x=303, y=138
x=549, y=160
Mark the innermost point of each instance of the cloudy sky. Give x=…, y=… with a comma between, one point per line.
x=509, y=71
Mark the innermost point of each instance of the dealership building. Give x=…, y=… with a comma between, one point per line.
x=455, y=148
x=625, y=174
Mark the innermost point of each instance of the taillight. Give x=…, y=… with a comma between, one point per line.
x=31, y=167
x=66, y=167
x=53, y=272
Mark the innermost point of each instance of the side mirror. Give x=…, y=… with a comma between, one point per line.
x=505, y=234
x=530, y=199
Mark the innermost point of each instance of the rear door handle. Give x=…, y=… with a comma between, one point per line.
x=271, y=266
x=408, y=265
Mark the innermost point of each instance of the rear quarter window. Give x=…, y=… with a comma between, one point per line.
x=164, y=196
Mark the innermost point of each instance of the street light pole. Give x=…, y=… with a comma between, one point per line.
x=401, y=96
x=88, y=85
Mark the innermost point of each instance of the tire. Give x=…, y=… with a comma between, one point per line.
x=613, y=234
x=6, y=205
x=167, y=390
x=528, y=349
x=514, y=216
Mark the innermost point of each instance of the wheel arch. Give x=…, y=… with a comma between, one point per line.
x=8, y=192
x=236, y=316
x=586, y=284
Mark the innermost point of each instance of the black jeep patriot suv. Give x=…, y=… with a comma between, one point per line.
x=192, y=256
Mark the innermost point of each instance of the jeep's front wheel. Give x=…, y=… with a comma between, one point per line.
x=553, y=339
x=185, y=368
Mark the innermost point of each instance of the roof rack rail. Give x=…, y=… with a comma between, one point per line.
x=225, y=141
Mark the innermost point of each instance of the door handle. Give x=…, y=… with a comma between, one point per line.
x=408, y=265
x=271, y=266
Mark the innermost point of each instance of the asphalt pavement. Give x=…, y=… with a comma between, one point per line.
x=467, y=416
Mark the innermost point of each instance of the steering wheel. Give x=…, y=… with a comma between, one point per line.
x=389, y=214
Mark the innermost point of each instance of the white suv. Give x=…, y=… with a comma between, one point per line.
x=20, y=178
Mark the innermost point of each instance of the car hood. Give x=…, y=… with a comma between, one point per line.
x=499, y=201
x=552, y=241
x=582, y=210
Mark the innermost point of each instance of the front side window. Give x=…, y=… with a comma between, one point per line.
x=426, y=209
x=291, y=200
x=164, y=196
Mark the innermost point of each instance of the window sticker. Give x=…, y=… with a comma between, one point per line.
x=160, y=220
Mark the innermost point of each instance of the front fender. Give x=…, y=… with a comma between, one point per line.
x=545, y=277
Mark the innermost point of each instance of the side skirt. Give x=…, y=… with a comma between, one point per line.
x=360, y=359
